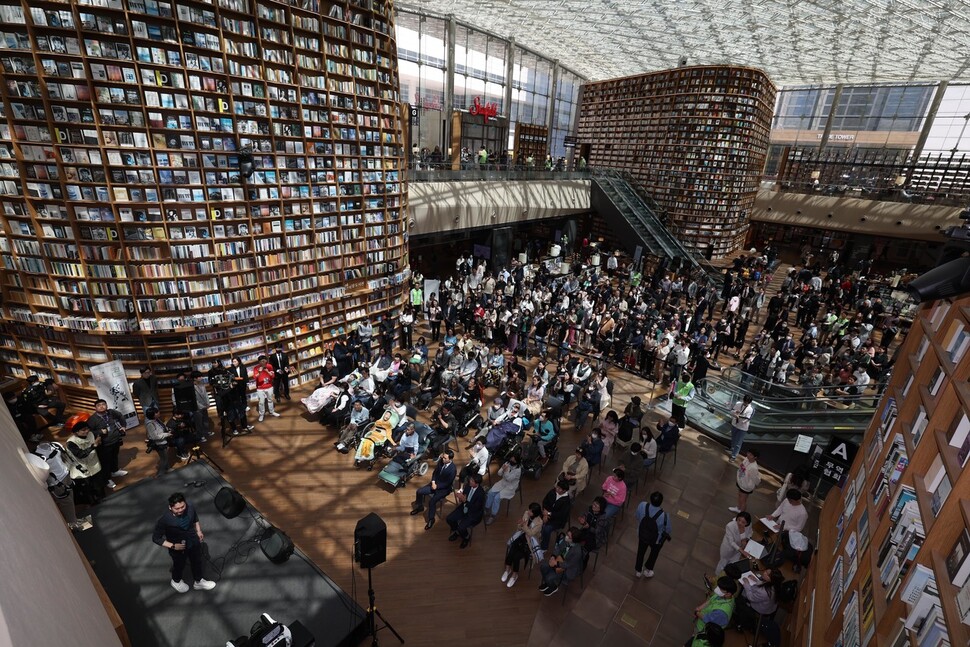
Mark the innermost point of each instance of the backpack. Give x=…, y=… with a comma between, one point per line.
x=650, y=529
x=788, y=592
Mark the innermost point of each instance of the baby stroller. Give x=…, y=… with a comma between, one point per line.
x=397, y=474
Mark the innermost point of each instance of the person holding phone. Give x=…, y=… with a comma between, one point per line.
x=180, y=532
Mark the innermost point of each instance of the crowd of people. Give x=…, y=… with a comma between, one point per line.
x=488, y=160
x=827, y=330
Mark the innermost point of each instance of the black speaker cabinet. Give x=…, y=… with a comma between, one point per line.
x=276, y=545
x=230, y=503
x=370, y=541
x=185, y=397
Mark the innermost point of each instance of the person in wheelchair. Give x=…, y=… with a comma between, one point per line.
x=509, y=424
x=359, y=417
x=376, y=441
x=362, y=386
x=339, y=408
x=444, y=426
x=407, y=449
x=545, y=433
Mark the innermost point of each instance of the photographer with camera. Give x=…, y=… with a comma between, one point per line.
x=109, y=426
x=84, y=466
x=182, y=433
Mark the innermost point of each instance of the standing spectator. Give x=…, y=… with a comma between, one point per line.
x=681, y=393
x=158, y=435
x=180, y=532
x=85, y=468
x=59, y=482
x=407, y=326
x=237, y=396
x=109, y=426
x=747, y=480
x=417, y=301
x=145, y=390
x=653, y=530
x=434, y=319
x=364, y=333
x=740, y=421
x=200, y=417
x=264, y=375
x=23, y=416
x=737, y=532
x=281, y=367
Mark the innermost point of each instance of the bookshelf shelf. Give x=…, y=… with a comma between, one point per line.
x=122, y=211
x=698, y=140
x=911, y=486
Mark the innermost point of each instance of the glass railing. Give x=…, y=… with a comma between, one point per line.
x=493, y=173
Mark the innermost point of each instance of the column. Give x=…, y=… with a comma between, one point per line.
x=830, y=118
x=448, y=108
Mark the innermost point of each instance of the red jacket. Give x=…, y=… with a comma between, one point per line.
x=264, y=377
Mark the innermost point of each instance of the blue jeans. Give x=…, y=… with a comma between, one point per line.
x=611, y=511
x=737, y=437
x=493, y=502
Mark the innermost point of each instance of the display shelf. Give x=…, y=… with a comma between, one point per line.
x=909, y=509
x=531, y=141
x=124, y=212
x=698, y=137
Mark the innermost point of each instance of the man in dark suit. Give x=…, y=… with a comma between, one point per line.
x=281, y=366
x=555, y=511
x=442, y=482
x=470, y=510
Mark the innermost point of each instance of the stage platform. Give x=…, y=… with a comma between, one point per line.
x=135, y=572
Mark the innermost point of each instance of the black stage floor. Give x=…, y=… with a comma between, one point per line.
x=136, y=573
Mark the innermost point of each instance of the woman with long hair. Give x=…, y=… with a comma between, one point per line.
x=523, y=543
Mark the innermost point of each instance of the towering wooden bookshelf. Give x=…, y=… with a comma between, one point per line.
x=892, y=562
x=531, y=140
x=696, y=137
x=127, y=230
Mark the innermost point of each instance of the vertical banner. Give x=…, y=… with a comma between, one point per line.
x=112, y=385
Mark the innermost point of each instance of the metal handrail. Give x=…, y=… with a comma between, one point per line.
x=756, y=388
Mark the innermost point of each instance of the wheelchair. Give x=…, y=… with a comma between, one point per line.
x=397, y=475
x=532, y=461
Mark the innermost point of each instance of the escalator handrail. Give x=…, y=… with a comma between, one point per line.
x=763, y=400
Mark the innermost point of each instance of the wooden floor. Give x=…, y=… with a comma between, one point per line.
x=429, y=589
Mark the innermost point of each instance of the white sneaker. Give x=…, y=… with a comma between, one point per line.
x=203, y=585
x=505, y=575
x=247, y=409
x=111, y=484
x=734, y=509
x=181, y=587
x=648, y=573
x=274, y=414
x=260, y=419
x=119, y=473
x=513, y=580
x=638, y=573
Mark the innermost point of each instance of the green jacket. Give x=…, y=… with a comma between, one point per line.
x=717, y=610
x=682, y=393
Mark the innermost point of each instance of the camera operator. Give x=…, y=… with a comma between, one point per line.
x=157, y=441
x=183, y=434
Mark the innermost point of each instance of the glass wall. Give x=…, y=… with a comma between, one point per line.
x=422, y=51
x=949, y=132
x=480, y=72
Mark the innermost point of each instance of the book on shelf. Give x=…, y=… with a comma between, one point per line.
x=957, y=562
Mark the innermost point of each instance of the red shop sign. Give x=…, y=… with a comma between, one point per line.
x=487, y=110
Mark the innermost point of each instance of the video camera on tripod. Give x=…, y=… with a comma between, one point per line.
x=266, y=632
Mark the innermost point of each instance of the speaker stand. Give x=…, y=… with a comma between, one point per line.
x=373, y=614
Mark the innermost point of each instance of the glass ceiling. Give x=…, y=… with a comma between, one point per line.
x=796, y=42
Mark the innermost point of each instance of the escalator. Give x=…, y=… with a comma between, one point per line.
x=782, y=413
x=614, y=197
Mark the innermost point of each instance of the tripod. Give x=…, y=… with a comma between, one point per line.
x=196, y=454
x=373, y=614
